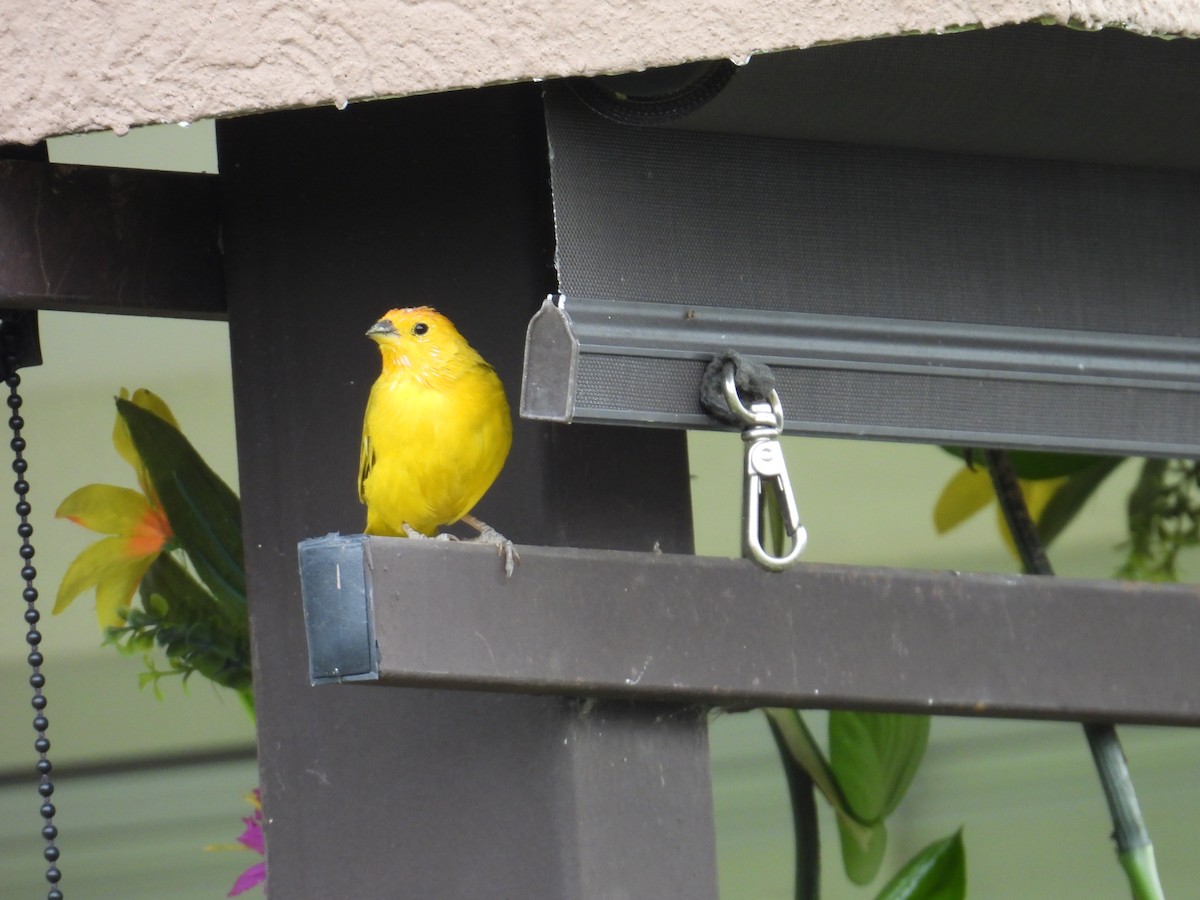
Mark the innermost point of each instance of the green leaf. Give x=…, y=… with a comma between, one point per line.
x=939, y=872
x=1141, y=506
x=1069, y=499
x=184, y=619
x=154, y=602
x=169, y=592
x=863, y=842
x=204, y=513
x=1034, y=465
x=246, y=695
x=1164, y=519
x=862, y=849
x=874, y=757
x=800, y=744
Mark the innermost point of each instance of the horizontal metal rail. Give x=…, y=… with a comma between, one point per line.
x=624, y=362
x=722, y=633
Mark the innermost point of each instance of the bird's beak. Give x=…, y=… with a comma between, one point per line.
x=382, y=327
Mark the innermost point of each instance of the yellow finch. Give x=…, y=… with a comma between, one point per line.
x=436, y=432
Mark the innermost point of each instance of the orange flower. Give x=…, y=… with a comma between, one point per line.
x=138, y=529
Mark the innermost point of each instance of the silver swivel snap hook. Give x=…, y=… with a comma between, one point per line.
x=765, y=470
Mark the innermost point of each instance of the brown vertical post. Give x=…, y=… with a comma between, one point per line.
x=332, y=217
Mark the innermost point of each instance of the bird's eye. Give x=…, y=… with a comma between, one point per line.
x=420, y=328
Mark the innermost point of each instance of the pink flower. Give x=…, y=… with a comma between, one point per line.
x=256, y=874
x=250, y=839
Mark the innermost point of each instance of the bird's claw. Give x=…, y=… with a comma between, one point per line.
x=411, y=532
x=504, y=548
x=487, y=535
x=511, y=557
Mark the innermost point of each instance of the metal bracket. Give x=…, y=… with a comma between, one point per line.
x=340, y=627
x=20, y=327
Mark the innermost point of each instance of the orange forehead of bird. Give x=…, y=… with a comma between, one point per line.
x=403, y=320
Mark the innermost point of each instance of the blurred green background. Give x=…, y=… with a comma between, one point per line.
x=144, y=785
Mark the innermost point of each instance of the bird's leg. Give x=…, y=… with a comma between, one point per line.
x=411, y=532
x=504, y=547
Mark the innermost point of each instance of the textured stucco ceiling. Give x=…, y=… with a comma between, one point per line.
x=81, y=65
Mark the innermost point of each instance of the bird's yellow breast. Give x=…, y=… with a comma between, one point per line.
x=431, y=446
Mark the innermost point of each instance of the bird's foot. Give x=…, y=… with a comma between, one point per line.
x=504, y=547
x=411, y=532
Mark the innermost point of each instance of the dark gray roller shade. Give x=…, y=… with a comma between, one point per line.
x=990, y=299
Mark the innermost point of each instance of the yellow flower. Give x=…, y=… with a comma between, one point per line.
x=136, y=523
x=150, y=402
x=970, y=489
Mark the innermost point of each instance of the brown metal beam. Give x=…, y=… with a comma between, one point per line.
x=721, y=632
x=332, y=217
x=90, y=239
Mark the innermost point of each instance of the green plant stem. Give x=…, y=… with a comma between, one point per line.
x=1134, y=850
x=804, y=820
x=801, y=788
x=1020, y=524
x=1142, y=872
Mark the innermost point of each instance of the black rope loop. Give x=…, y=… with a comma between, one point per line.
x=754, y=381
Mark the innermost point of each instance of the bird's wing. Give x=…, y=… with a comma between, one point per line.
x=366, y=459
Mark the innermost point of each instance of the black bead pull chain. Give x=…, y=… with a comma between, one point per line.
x=16, y=330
